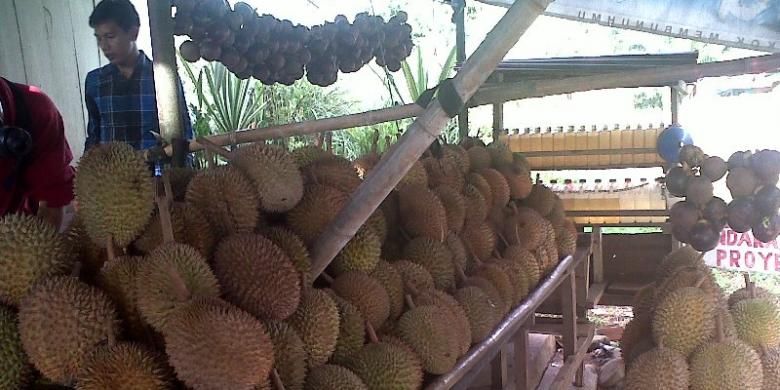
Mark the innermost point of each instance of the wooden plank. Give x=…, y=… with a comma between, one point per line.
x=568, y=301
x=556, y=328
x=588, y=152
x=564, y=167
x=499, y=370
x=582, y=284
x=572, y=366
x=595, y=292
x=12, y=59
x=598, y=254
x=521, y=358
x=498, y=114
x=618, y=213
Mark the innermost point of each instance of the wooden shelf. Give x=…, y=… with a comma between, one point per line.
x=573, y=363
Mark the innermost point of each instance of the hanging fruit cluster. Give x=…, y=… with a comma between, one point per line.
x=750, y=177
x=277, y=51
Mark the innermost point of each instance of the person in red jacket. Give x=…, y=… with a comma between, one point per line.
x=35, y=172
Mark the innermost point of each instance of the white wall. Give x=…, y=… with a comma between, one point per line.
x=49, y=44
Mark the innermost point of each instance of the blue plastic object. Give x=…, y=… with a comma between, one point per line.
x=670, y=141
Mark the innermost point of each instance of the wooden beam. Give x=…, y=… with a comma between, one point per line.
x=572, y=367
x=460, y=56
x=397, y=161
x=166, y=78
x=498, y=114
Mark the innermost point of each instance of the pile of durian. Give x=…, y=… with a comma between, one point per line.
x=687, y=334
x=207, y=284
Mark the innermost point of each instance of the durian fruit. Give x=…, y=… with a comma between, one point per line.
x=118, y=279
x=366, y=293
x=214, y=345
x=498, y=186
x=89, y=255
x=227, y=198
x=460, y=322
x=416, y=176
x=172, y=276
x=444, y=173
x=180, y=179
x=490, y=290
x=744, y=293
x=525, y=228
x=541, y=199
x=391, y=280
x=334, y=174
x=457, y=154
x=189, y=227
x=422, y=213
x=113, y=187
x=319, y=206
x=454, y=207
x=124, y=366
x=415, y=277
x=30, y=249
x=257, y=276
x=526, y=261
x=500, y=154
x=428, y=330
x=479, y=239
x=482, y=313
x=494, y=274
x=684, y=319
x=482, y=185
x=681, y=257
x=378, y=224
x=516, y=274
x=659, y=368
x=519, y=181
x=384, y=366
x=294, y=248
x=352, y=330
x=317, y=322
x=289, y=354
x=770, y=361
x=333, y=377
x=460, y=257
x=15, y=370
x=274, y=173
x=728, y=364
x=479, y=158
x=757, y=321
x=308, y=154
x=637, y=339
x=361, y=253
x=566, y=240
x=476, y=205
x=60, y=321
x=688, y=277
x=644, y=301
x=435, y=257
x=558, y=216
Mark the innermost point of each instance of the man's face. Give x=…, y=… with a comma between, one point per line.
x=115, y=43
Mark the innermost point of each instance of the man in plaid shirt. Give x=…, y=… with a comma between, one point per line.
x=120, y=96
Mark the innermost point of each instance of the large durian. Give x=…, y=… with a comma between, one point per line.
x=428, y=330
x=276, y=177
x=391, y=280
x=685, y=319
x=227, y=198
x=289, y=354
x=295, y=249
x=422, y=213
x=15, y=369
x=729, y=364
x=498, y=186
x=460, y=320
x=124, y=366
x=361, y=253
x=352, y=330
x=319, y=206
x=482, y=313
x=435, y=257
x=317, y=322
x=659, y=368
x=333, y=377
x=118, y=279
x=454, y=207
x=189, y=227
x=757, y=321
x=384, y=366
x=114, y=191
x=366, y=294
x=476, y=205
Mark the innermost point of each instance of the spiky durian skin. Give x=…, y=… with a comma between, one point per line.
x=124, y=366
x=352, y=330
x=525, y=228
x=422, y=213
x=189, y=227
x=113, y=187
x=384, y=366
x=416, y=176
x=366, y=293
x=744, y=293
x=378, y=224
x=90, y=256
x=15, y=369
x=483, y=187
x=332, y=377
x=118, y=279
x=459, y=156
x=498, y=186
x=566, y=241
x=482, y=313
x=444, y=172
x=637, y=339
x=391, y=280
x=60, y=321
x=684, y=320
x=757, y=321
x=214, y=345
x=500, y=280
x=257, y=276
x=317, y=322
x=454, y=207
x=526, y=261
x=227, y=198
x=480, y=239
x=460, y=320
x=427, y=329
x=541, y=199
x=30, y=249
x=294, y=248
x=476, y=206
x=681, y=257
x=770, y=361
x=319, y=206
x=435, y=257
x=308, y=154
x=458, y=250
x=688, y=277
x=725, y=365
x=479, y=158
x=361, y=253
x=516, y=274
x=490, y=290
x=658, y=369
x=644, y=301
x=415, y=277
x=274, y=173
x=289, y=354
x=158, y=289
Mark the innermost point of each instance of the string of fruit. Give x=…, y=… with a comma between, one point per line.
x=278, y=51
x=752, y=181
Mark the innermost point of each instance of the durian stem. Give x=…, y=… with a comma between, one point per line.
x=214, y=148
x=409, y=301
x=502, y=238
x=179, y=285
x=328, y=279
x=474, y=255
x=459, y=272
x=277, y=380
x=497, y=254
x=719, y=328
x=371, y=332
x=110, y=250
x=164, y=210
x=375, y=141
x=700, y=282
x=752, y=290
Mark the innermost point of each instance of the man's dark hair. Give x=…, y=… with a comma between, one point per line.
x=121, y=12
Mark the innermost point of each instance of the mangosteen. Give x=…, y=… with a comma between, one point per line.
x=767, y=200
x=714, y=168
x=767, y=228
x=244, y=9
x=717, y=212
x=677, y=181
x=699, y=190
x=210, y=51
x=766, y=165
x=704, y=236
x=189, y=51
x=740, y=159
x=741, y=181
x=691, y=155
x=234, y=20
x=742, y=214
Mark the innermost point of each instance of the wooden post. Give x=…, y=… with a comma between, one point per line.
x=675, y=97
x=582, y=279
x=166, y=78
x=499, y=370
x=598, y=255
x=568, y=306
x=498, y=114
x=459, y=8
x=521, y=358
x=416, y=140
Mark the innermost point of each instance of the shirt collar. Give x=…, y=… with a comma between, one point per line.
x=142, y=62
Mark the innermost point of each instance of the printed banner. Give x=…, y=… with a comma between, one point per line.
x=748, y=24
x=742, y=252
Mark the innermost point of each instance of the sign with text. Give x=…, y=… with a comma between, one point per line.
x=742, y=252
x=748, y=24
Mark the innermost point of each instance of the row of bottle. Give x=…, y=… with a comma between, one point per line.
x=612, y=196
x=582, y=143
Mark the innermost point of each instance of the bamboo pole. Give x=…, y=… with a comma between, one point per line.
x=166, y=80
x=397, y=161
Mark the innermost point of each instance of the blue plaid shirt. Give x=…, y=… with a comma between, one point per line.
x=125, y=110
